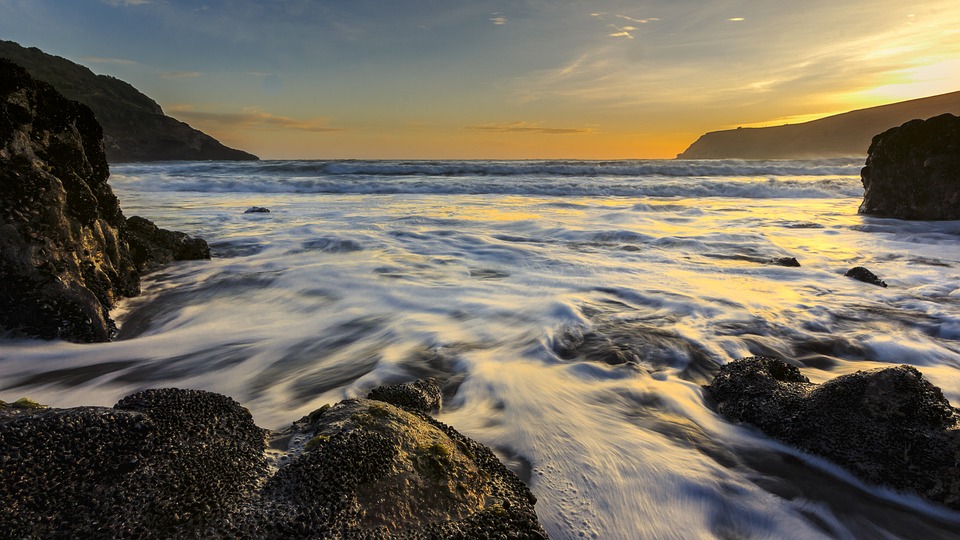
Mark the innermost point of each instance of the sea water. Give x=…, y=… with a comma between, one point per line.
x=571, y=310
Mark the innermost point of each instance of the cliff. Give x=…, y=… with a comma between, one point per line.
x=847, y=134
x=134, y=126
x=65, y=255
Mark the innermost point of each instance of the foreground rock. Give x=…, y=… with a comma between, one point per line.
x=888, y=426
x=182, y=463
x=64, y=253
x=913, y=171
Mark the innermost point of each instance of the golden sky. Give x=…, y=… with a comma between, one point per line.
x=493, y=79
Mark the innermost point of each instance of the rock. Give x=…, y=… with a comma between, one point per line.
x=423, y=395
x=862, y=274
x=64, y=256
x=257, y=210
x=161, y=464
x=175, y=463
x=913, y=171
x=786, y=261
x=150, y=246
x=134, y=126
x=887, y=426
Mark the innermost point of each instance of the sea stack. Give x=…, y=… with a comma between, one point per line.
x=64, y=255
x=913, y=171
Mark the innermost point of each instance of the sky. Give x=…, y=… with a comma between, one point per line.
x=486, y=79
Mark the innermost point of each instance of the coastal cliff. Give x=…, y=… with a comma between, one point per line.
x=847, y=134
x=65, y=256
x=134, y=126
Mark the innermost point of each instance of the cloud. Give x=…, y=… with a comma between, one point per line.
x=622, y=31
x=498, y=19
x=182, y=75
x=527, y=127
x=118, y=3
x=736, y=19
x=101, y=60
x=251, y=119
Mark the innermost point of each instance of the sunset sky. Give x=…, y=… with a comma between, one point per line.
x=494, y=79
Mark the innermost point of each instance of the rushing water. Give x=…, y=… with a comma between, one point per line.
x=571, y=310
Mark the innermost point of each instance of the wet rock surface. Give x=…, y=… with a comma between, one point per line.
x=184, y=463
x=150, y=246
x=257, y=210
x=888, y=426
x=423, y=395
x=64, y=253
x=860, y=273
x=913, y=171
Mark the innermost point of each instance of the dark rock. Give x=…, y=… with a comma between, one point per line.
x=134, y=126
x=786, y=261
x=862, y=274
x=64, y=256
x=190, y=464
x=159, y=464
x=379, y=471
x=257, y=210
x=63, y=260
x=423, y=395
x=913, y=171
x=887, y=426
x=151, y=246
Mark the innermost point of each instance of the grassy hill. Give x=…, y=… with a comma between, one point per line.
x=847, y=134
x=134, y=126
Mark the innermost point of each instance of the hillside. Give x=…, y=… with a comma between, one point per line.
x=847, y=134
x=134, y=126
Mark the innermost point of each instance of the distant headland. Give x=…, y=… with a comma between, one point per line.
x=134, y=126
x=846, y=134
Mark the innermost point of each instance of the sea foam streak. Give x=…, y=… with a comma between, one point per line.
x=572, y=311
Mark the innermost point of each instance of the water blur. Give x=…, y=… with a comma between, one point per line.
x=570, y=333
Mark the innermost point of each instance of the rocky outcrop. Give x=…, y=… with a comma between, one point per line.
x=846, y=134
x=135, y=127
x=64, y=258
x=913, y=171
x=150, y=246
x=185, y=464
x=888, y=426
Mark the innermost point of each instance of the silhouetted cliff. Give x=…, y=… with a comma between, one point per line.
x=847, y=134
x=134, y=126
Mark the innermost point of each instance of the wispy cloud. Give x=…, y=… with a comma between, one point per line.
x=182, y=75
x=527, y=127
x=498, y=19
x=119, y=3
x=251, y=119
x=736, y=19
x=101, y=60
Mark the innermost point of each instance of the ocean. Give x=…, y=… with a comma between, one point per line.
x=572, y=311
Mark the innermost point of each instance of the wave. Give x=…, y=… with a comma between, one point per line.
x=685, y=188
x=577, y=168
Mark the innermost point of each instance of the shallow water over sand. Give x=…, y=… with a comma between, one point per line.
x=571, y=311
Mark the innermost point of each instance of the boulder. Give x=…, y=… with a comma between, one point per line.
x=860, y=273
x=913, y=171
x=176, y=463
x=64, y=258
x=887, y=426
x=423, y=395
x=150, y=246
x=257, y=210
